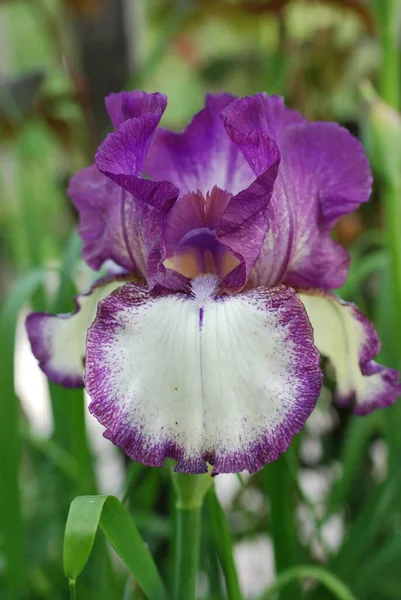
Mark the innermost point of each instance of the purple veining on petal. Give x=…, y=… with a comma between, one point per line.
x=150, y=428
x=102, y=205
x=244, y=223
x=201, y=315
x=128, y=105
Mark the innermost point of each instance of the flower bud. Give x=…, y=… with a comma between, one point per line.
x=382, y=135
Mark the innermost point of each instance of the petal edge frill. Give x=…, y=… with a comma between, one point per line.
x=58, y=341
x=225, y=380
x=349, y=340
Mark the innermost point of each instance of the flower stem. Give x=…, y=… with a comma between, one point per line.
x=190, y=491
x=73, y=589
x=186, y=552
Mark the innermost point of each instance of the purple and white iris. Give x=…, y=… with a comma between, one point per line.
x=207, y=349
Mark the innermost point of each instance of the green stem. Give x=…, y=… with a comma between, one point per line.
x=187, y=552
x=389, y=72
x=73, y=589
x=392, y=205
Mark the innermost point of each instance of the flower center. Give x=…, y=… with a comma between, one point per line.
x=192, y=245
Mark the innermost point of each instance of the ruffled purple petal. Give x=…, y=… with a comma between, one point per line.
x=323, y=174
x=261, y=113
x=129, y=105
x=103, y=208
x=120, y=157
x=58, y=341
x=227, y=380
x=328, y=165
x=202, y=156
x=350, y=342
x=244, y=223
x=110, y=221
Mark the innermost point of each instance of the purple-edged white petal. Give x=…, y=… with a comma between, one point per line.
x=107, y=222
x=227, y=380
x=58, y=341
x=350, y=342
x=129, y=105
x=323, y=174
x=202, y=156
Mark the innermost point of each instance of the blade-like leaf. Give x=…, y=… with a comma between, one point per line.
x=87, y=514
x=370, y=575
x=367, y=525
x=327, y=579
x=10, y=442
x=223, y=542
x=357, y=436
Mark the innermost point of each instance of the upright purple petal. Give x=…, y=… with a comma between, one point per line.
x=327, y=165
x=323, y=174
x=262, y=113
x=224, y=380
x=120, y=157
x=129, y=105
x=244, y=223
x=202, y=156
x=111, y=223
x=350, y=342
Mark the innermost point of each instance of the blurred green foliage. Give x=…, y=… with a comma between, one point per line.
x=315, y=53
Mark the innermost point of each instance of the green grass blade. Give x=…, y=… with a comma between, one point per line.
x=370, y=575
x=279, y=482
x=68, y=406
x=367, y=525
x=10, y=440
x=87, y=514
x=325, y=577
x=223, y=542
x=357, y=436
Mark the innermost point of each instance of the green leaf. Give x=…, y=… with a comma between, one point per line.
x=367, y=525
x=279, y=481
x=370, y=574
x=357, y=436
x=87, y=514
x=10, y=441
x=325, y=577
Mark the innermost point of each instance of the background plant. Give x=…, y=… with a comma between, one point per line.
x=57, y=62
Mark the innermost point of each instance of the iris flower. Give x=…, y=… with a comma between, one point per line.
x=206, y=347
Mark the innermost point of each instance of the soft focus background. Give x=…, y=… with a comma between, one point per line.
x=335, y=498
